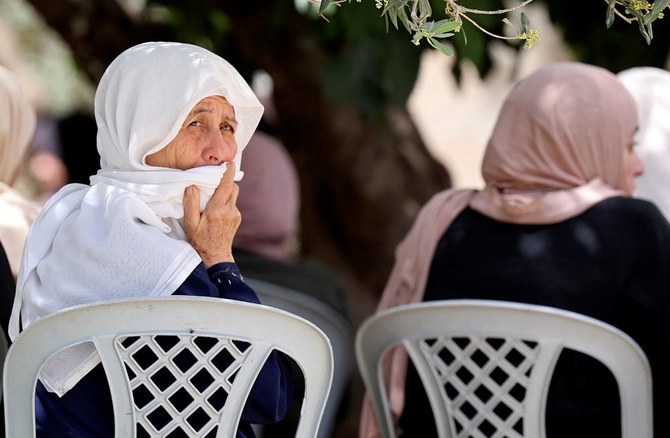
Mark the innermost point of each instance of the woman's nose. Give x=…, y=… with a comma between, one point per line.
x=639, y=166
x=221, y=148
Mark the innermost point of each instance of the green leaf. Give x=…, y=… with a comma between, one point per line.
x=386, y=22
x=324, y=5
x=404, y=19
x=509, y=23
x=656, y=9
x=650, y=31
x=424, y=8
x=609, y=19
x=441, y=47
x=525, y=22
x=443, y=26
x=393, y=15
x=644, y=32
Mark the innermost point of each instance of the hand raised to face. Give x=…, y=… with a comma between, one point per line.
x=211, y=232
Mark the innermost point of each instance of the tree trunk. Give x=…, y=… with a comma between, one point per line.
x=362, y=181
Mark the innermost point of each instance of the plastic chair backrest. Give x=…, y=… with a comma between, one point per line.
x=189, y=336
x=487, y=365
x=340, y=332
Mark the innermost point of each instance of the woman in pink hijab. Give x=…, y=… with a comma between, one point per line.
x=554, y=225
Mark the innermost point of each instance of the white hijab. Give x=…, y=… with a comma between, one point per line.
x=650, y=88
x=121, y=236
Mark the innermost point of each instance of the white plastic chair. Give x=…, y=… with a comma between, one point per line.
x=458, y=346
x=339, y=331
x=229, y=340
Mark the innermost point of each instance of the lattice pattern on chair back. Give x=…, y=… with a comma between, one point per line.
x=179, y=384
x=484, y=382
x=170, y=357
x=487, y=365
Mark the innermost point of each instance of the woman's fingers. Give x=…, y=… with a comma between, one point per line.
x=211, y=232
x=191, y=209
x=223, y=191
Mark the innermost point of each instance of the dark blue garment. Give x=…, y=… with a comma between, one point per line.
x=86, y=410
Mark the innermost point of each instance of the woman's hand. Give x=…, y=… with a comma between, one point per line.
x=211, y=232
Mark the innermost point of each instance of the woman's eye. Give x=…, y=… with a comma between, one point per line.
x=227, y=127
x=195, y=123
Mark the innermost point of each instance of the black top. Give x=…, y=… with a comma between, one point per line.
x=612, y=263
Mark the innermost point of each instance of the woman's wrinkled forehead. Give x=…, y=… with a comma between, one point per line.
x=206, y=104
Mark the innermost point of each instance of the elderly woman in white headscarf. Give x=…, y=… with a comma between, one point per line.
x=158, y=219
x=17, y=126
x=650, y=87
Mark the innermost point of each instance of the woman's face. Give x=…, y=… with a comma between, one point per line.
x=632, y=168
x=207, y=137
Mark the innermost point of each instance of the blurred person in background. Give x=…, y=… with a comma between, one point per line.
x=76, y=140
x=46, y=172
x=266, y=246
x=555, y=225
x=63, y=151
x=17, y=127
x=650, y=87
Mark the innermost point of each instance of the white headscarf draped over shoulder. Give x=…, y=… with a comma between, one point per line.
x=121, y=236
x=650, y=87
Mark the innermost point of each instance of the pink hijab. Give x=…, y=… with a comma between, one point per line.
x=556, y=150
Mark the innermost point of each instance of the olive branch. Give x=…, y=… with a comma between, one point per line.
x=415, y=16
